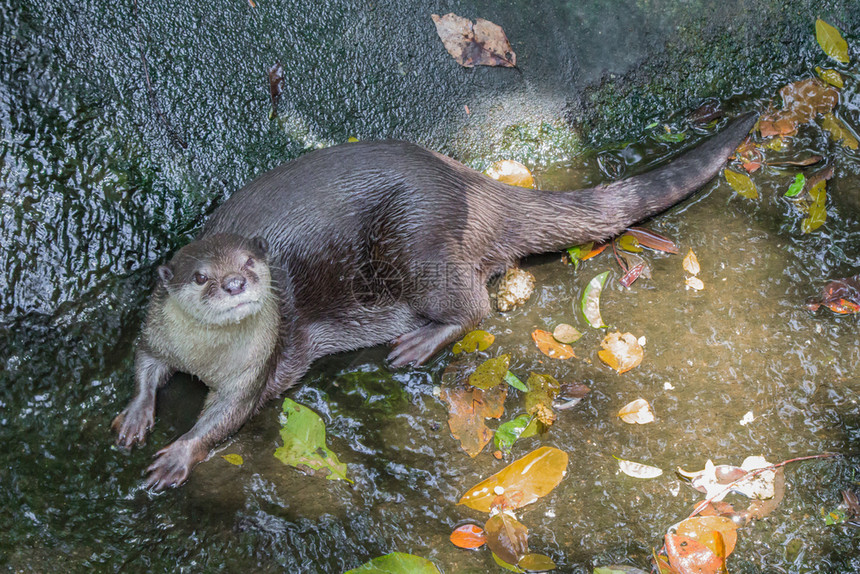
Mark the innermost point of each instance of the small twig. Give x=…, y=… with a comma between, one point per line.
x=617, y=258
x=701, y=506
x=174, y=136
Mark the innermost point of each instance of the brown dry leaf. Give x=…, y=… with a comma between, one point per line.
x=550, y=347
x=542, y=392
x=637, y=412
x=511, y=172
x=840, y=296
x=276, y=86
x=467, y=410
x=652, y=240
x=507, y=537
x=620, y=351
x=691, y=263
x=801, y=102
x=521, y=482
x=480, y=44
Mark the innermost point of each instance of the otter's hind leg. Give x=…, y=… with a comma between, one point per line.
x=452, y=309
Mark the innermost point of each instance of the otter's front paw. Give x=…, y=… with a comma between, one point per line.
x=133, y=424
x=173, y=464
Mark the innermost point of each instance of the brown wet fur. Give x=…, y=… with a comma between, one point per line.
x=373, y=243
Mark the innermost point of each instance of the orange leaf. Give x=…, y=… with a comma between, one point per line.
x=550, y=347
x=620, y=351
x=468, y=536
x=467, y=409
x=597, y=250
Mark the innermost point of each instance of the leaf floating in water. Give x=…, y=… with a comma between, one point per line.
x=831, y=41
x=468, y=408
x=490, y=373
x=536, y=563
x=832, y=77
x=550, y=347
x=817, y=214
x=506, y=566
x=539, y=399
x=480, y=44
x=811, y=160
x=564, y=333
x=522, y=482
x=508, y=433
x=396, y=563
x=841, y=296
x=694, y=283
x=511, y=172
x=515, y=382
x=234, y=459
x=473, y=341
x=632, y=274
x=469, y=536
x=591, y=300
x=652, y=240
x=637, y=469
x=714, y=480
x=691, y=263
x=701, y=544
x=838, y=131
x=276, y=86
x=577, y=252
x=303, y=434
x=596, y=250
x=637, y=412
x=507, y=537
x=795, y=188
x=741, y=183
x=622, y=352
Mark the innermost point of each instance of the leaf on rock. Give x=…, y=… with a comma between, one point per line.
x=652, y=240
x=621, y=351
x=521, y=482
x=637, y=469
x=303, y=434
x=467, y=410
x=276, y=86
x=795, y=188
x=507, y=537
x=480, y=44
x=469, y=536
x=591, y=300
x=511, y=172
x=564, y=333
x=550, y=347
x=473, y=341
x=838, y=131
x=637, y=412
x=490, y=373
x=831, y=41
x=234, y=459
x=741, y=183
x=396, y=563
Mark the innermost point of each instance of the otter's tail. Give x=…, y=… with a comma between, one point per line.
x=551, y=221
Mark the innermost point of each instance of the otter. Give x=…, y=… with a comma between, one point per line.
x=352, y=246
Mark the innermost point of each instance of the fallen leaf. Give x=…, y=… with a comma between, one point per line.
x=831, y=41
x=620, y=351
x=628, y=242
x=577, y=252
x=550, y=347
x=713, y=480
x=801, y=102
x=838, y=131
x=795, y=188
x=596, y=250
x=523, y=481
x=817, y=213
x=691, y=263
x=811, y=160
x=840, y=296
x=480, y=44
x=468, y=408
x=508, y=433
x=634, y=260
x=490, y=373
x=396, y=563
x=515, y=382
x=505, y=565
x=564, y=333
x=511, y=172
x=303, y=434
x=637, y=412
x=538, y=401
x=637, y=469
x=473, y=341
x=701, y=544
x=276, y=86
x=536, y=563
x=832, y=77
x=694, y=283
x=632, y=274
x=590, y=302
x=741, y=183
x=507, y=537
x=653, y=240
x=234, y=459
x=468, y=536
x=569, y=395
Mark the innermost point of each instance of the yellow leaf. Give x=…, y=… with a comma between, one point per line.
x=691, y=263
x=473, y=341
x=511, y=172
x=831, y=41
x=832, y=77
x=235, y=459
x=741, y=183
x=838, y=131
x=818, y=209
x=620, y=351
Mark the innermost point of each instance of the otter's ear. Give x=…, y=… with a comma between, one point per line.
x=165, y=273
x=261, y=244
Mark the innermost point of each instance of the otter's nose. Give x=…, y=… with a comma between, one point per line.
x=233, y=284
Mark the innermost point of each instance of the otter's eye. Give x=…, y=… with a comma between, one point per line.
x=249, y=262
x=200, y=279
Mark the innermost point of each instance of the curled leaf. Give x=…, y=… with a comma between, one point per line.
x=653, y=240
x=591, y=300
x=637, y=469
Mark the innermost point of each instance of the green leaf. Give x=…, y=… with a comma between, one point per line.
x=629, y=243
x=396, y=563
x=834, y=517
x=670, y=137
x=304, y=447
x=577, y=252
x=831, y=41
x=473, y=341
x=515, y=382
x=741, y=183
x=590, y=302
x=795, y=188
x=508, y=433
x=490, y=373
x=505, y=565
x=235, y=459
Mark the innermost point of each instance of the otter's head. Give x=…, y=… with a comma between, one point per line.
x=220, y=279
